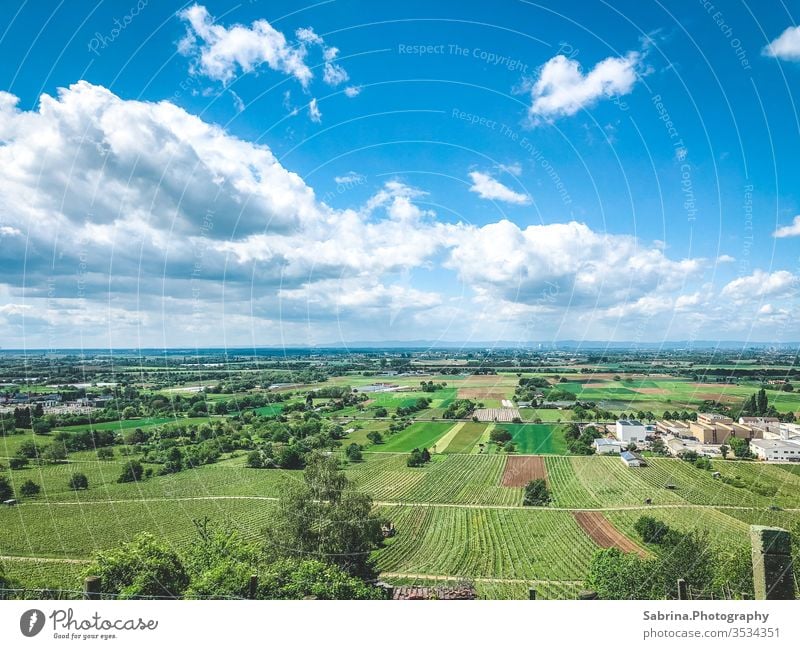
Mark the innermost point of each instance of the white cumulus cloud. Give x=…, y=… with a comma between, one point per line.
x=792, y=230
x=562, y=88
x=786, y=47
x=492, y=189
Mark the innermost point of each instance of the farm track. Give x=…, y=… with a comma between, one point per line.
x=403, y=503
x=492, y=580
x=42, y=559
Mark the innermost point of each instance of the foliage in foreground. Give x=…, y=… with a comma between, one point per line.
x=218, y=565
x=326, y=518
x=709, y=571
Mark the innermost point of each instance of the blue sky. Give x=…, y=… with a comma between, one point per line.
x=267, y=173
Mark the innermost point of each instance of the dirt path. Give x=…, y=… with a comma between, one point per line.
x=405, y=503
x=521, y=469
x=42, y=559
x=603, y=532
x=497, y=580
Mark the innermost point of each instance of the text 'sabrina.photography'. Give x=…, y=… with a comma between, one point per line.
x=458, y=324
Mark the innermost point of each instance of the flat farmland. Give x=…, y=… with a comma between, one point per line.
x=658, y=394
x=465, y=439
x=417, y=435
x=143, y=423
x=536, y=439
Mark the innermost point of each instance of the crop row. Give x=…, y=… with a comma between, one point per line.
x=456, y=478
x=75, y=531
x=499, y=543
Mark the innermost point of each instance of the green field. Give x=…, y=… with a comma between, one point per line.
x=536, y=439
x=467, y=436
x=417, y=435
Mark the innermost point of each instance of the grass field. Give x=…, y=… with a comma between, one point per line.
x=544, y=439
x=417, y=435
x=465, y=439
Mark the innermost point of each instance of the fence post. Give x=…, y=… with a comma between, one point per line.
x=683, y=591
x=531, y=593
x=252, y=587
x=92, y=588
x=772, y=562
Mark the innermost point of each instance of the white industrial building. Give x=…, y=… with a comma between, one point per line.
x=630, y=430
x=772, y=450
x=605, y=446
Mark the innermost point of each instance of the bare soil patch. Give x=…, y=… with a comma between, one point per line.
x=603, y=532
x=483, y=393
x=521, y=469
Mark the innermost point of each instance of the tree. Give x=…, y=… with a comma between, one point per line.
x=78, y=481
x=144, y=567
x=418, y=458
x=658, y=447
x=105, y=453
x=129, y=413
x=325, y=517
x=255, y=460
x=6, y=492
x=131, y=472
x=381, y=412
x=219, y=563
x=55, y=452
x=536, y=493
x=41, y=427
x=650, y=529
x=761, y=402
x=724, y=451
x=740, y=447
x=500, y=436
x=353, y=453
x=18, y=462
x=28, y=449
x=29, y=488
x=375, y=437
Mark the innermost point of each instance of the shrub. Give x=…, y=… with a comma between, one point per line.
x=18, y=462
x=78, y=481
x=6, y=491
x=105, y=453
x=29, y=488
x=132, y=471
